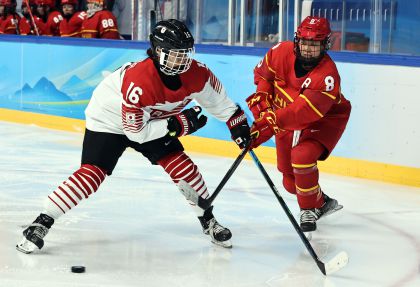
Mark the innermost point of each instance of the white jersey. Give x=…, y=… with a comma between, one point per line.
x=134, y=101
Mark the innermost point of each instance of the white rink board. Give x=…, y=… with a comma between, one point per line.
x=138, y=230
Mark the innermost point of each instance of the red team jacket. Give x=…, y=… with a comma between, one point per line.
x=312, y=103
x=134, y=101
x=40, y=25
x=15, y=24
x=102, y=24
x=53, y=24
x=73, y=26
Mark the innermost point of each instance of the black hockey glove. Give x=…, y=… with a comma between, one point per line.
x=239, y=128
x=186, y=122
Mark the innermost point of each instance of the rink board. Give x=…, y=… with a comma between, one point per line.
x=380, y=142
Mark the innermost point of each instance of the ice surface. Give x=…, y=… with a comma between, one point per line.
x=138, y=230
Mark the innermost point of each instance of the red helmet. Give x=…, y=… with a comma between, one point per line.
x=31, y=3
x=314, y=28
x=72, y=2
x=100, y=2
x=49, y=3
x=8, y=3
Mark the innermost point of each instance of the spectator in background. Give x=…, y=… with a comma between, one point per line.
x=11, y=22
x=46, y=10
x=1, y=13
x=71, y=25
x=100, y=23
x=36, y=24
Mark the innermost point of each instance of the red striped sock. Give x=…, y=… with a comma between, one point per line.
x=81, y=184
x=180, y=167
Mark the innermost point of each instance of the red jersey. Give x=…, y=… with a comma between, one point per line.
x=102, y=24
x=40, y=26
x=312, y=102
x=134, y=101
x=53, y=23
x=14, y=24
x=73, y=26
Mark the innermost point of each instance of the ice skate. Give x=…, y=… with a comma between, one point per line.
x=330, y=206
x=34, y=234
x=308, y=217
x=219, y=235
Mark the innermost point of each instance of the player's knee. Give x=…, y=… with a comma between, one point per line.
x=306, y=152
x=289, y=183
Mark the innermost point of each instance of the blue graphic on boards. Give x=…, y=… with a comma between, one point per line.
x=59, y=79
x=44, y=97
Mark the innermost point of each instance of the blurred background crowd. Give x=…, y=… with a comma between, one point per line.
x=373, y=26
x=62, y=18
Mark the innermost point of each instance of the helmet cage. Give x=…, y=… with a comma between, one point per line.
x=312, y=30
x=175, y=61
x=172, y=46
x=94, y=6
x=311, y=62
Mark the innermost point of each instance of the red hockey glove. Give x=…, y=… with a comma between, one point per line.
x=259, y=102
x=264, y=128
x=239, y=128
x=186, y=122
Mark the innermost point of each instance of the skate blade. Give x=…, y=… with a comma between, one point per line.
x=331, y=211
x=26, y=246
x=224, y=244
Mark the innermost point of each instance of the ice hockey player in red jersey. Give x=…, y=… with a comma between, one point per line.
x=298, y=99
x=141, y=105
x=12, y=22
x=36, y=24
x=71, y=25
x=99, y=23
x=47, y=11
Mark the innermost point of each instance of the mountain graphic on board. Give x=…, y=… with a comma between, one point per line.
x=43, y=91
x=77, y=89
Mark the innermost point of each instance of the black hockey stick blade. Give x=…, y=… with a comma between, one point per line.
x=335, y=264
x=191, y=195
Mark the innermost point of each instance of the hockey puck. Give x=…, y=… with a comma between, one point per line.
x=78, y=269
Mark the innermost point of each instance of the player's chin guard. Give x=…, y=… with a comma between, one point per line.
x=317, y=32
x=172, y=46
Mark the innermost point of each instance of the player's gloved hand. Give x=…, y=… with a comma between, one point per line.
x=239, y=128
x=264, y=128
x=259, y=102
x=186, y=122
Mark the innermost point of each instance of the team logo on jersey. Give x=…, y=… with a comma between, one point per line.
x=131, y=119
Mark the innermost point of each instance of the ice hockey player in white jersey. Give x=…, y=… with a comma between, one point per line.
x=141, y=105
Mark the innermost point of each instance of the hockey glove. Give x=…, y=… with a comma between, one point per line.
x=259, y=102
x=264, y=128
x=239, y=128
x=186, y=122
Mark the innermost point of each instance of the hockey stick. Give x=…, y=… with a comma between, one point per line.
x=32, y=17
x=191, y=195
x=335, y=264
